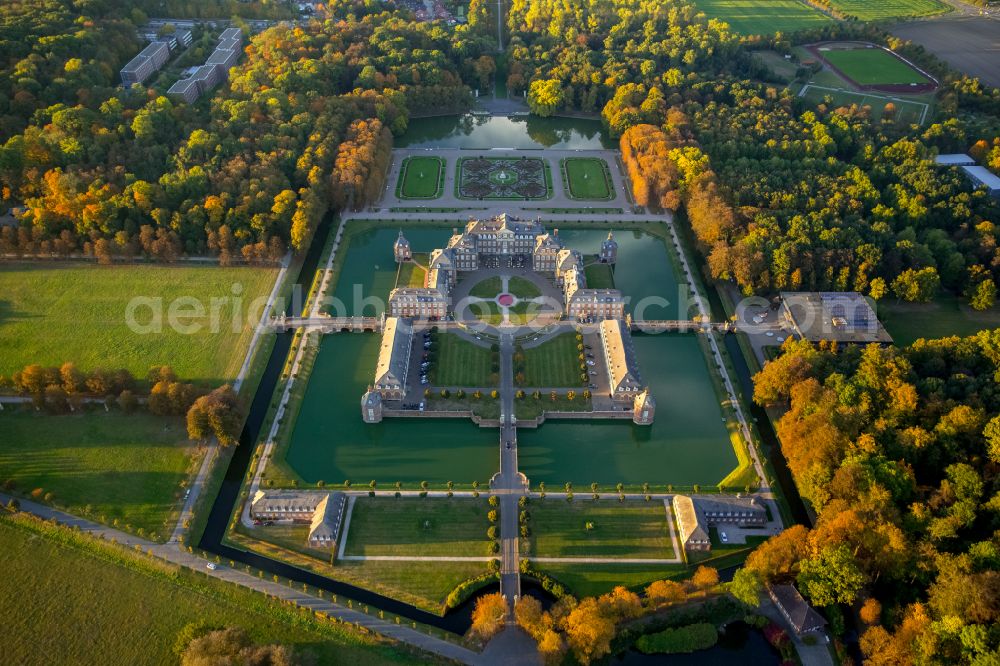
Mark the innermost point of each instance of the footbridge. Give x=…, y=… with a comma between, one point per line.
x=330, y=324
x=681, y=325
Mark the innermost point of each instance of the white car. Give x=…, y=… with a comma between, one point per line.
x=723, y=537
x=211, y=566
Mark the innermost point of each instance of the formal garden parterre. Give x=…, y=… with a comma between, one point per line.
x=503, y=179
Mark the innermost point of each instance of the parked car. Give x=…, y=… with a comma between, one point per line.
x=593, y=373
x=593, y=386
x=211, y=566
x=723, y=537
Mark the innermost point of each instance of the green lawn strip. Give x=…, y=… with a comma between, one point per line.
x=763, y=17
x=529, y=408
x=108, y=466
x=865, y=10
x=602, y=528
x=412, y=273
x=591, y=580
x=424, y=585
x=554, y=363
x=461, y=363
x=487, y=312
x=522, y=288
x=55, y=579
x=421, y=178
x=945, y=316
x=873, y=66
x=418, y=527
x=486, y=407
x=488, y=288
x=66, y=311
x=587, y=179
x=523, y=311
x=599, y=276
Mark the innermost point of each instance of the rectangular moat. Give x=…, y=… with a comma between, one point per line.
x=688, y=443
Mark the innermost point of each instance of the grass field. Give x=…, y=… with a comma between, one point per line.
x=944, y=316
x=588, y=179
x=65, y=605
x=908, y=111
x=625, y=530
x=599, y=276
x=872, y=66
x=418, y=527
x=461, y=363
x=592, y=580
x=522, y=288
x=488, y=288
x=56, y=312
x=111, y=465
x=553, y=363
x=866, y=10
x=420, y=178
x=425, y=585
x=763, y=17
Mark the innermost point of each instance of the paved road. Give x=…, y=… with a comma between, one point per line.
x=507, y=483
x=171, y=553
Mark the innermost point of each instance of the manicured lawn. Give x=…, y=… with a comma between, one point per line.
x=625, y=530
x=588, y=179
x=418, y=527
x=599, y=276
x=486, y=311
x=461, y=363
x=522, y=288
x=763, y=17
x=873, y=66
x=944, y=316
x=124, y=467
x=488, y=288
x=56, y=312
x=425, y=585
x=420, y=178
x=553, y=363
x=593, y=580
x=65, y=605
x=529, y=408
x=411, y=274
x=523, y=311
x=866, y=10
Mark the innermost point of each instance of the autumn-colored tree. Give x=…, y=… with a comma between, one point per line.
x=705, y=578
x=665, y=592
x=871, y=611
x=589, y=629
x=488, y=616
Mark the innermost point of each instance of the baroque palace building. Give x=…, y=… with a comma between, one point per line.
x=506, y=242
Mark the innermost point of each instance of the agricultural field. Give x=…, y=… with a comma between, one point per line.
x=87, y=609
x=866, y=10
x=553, y=363
x=603, y=528
x=51, y=313
x=588, y=179
x=763, y=17
x=108, y=466
x=418, y=527
x=461, y=363
x=968, y=44
x=872, y=67
x=421, y=178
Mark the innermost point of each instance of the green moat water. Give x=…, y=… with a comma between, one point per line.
x=644, y=273
x=484, y=132
x=688, y=443
x=331, y=442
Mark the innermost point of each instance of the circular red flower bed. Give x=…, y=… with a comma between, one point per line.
x=505, y=300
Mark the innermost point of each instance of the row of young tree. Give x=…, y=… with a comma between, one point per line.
x=304, y=125
x=217, y=413
x=898, y=452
